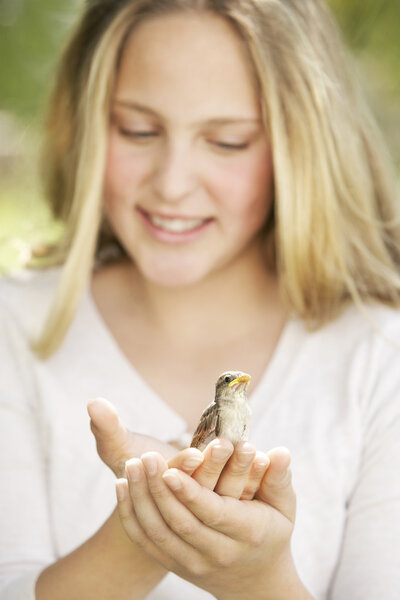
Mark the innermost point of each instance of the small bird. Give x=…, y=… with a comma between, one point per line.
x=229, y=415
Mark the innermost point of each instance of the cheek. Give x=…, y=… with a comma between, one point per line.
x=124, y=171
x=245, y=187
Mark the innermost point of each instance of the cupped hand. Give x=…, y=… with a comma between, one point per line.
x=232, y=471
x=116, y=444
x=233, y=548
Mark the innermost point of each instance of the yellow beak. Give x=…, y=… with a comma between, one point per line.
x=241, y=379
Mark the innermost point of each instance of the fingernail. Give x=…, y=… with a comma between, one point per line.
x=150, y=463
x=220, y=453
x=172, y=480
x=133, y=469
x=245, y=454
x=245, y=458
x=261, y=461
x=261, y=464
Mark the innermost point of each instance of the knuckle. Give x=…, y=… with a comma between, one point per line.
x=238, y=471
x=222, y=561
x=210, y=470
x=257, y=537
x=191, y=494
x=143, y=543
x=223, y=558
x=217, y=517
x=157, y=534
x=282, y=481
x=157, y=491
x=125, y=515
x=214, y=520
x=184, y=528
x=198, y=569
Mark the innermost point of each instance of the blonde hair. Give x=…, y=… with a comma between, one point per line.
x=336, y=227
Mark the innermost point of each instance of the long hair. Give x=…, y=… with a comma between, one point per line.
x=336, y=228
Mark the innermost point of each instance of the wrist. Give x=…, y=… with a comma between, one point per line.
x=119, y=537
x=106, y=566
x=284, y=583
x=130, y=553
x=279, y=581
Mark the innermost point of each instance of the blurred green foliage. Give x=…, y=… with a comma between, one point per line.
x=371, y=25
x=371, y=29
x=32, y=33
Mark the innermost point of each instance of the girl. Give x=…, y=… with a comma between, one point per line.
x=228, y=205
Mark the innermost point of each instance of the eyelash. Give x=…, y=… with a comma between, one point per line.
x=140, y=135
x=145, y=135
x=231, y=146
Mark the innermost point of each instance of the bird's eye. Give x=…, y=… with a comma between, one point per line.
x=227, y=379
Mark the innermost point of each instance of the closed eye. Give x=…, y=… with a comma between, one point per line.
x=226, y=146
x=138, y=135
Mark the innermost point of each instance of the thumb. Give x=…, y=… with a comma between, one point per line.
x=104, y=420
x=115, y=443
x=276, y=487
x=112, y=438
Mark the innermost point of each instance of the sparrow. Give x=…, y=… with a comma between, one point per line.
x=228, y=416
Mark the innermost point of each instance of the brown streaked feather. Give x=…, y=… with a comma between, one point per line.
x=208, y=427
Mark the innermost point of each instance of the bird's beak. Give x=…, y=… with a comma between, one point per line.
x=241, y=379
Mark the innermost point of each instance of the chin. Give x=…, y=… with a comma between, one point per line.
x=173, y=280
x=172, y=275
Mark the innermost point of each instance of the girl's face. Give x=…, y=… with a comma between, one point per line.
x=188, y=176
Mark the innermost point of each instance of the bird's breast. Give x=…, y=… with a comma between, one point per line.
x=234, y=421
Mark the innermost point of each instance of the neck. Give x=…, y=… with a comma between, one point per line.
x=226, y=301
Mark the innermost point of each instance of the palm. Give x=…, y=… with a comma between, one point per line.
x=115, y=443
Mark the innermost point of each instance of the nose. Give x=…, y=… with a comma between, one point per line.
x=174, y=176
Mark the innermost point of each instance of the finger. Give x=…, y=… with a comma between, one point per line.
x=130, y=524
x=187, y=460
x=276, y=487
x=224, y=514
x=258, y=469
x=146, y=510
x=178, y=517
x=215, y=457
x=235, y=473
x=126, y=511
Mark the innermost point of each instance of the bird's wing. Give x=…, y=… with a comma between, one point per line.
x=206, y=429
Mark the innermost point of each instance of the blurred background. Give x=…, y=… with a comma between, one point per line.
x=32, y=33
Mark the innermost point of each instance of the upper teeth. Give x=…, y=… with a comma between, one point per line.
x=176, y=225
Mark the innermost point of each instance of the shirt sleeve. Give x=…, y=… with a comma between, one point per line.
x=369, y=566
x=25, y=544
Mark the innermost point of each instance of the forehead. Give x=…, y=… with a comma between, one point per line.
x=192, y=65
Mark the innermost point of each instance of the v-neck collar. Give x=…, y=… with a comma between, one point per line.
x=152, y=403
x=265, y=393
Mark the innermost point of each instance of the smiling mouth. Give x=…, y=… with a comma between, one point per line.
x=174, y=224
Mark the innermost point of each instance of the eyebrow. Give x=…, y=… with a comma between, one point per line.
x=213, y=121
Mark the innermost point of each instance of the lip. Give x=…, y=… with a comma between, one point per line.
x=173, y=237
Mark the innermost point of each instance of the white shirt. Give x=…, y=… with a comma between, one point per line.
x=331, y=397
